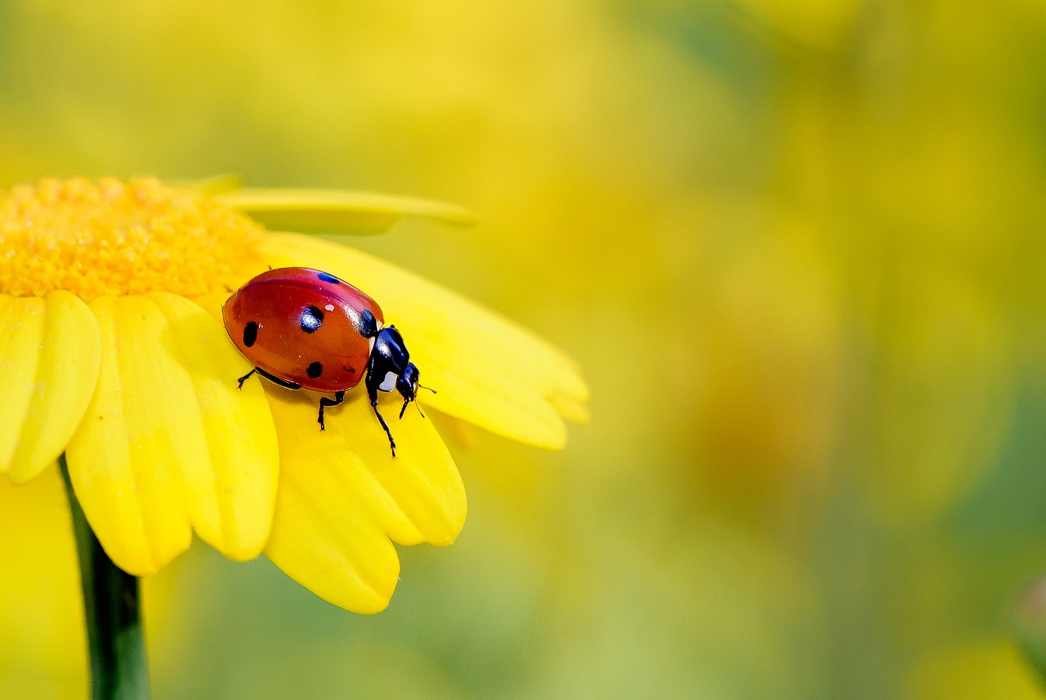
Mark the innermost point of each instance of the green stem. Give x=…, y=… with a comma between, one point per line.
x=115, y=642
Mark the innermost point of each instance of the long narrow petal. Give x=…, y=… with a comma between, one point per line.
x=342, y=497
x=151, y=460
x=232, y=503
x=334, y=211
x=49, y=352
x=21, y=338
x=122, y=457
x=488, y=370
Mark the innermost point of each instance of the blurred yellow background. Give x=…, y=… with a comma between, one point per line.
x=796, y=247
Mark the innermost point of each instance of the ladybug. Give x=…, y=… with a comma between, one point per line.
x=307, y=329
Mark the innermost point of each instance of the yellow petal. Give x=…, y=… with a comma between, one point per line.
x=334, y=211
x=488, y=370
x=168, y=443
x=458, y=434
x=232, y=505
x=48, y=368
x=21, y=339
x=571, y=409
x=212, y=305
x=342, y=496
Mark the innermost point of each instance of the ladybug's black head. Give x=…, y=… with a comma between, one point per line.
x=407, y=383
x=390, y=355
x=408, y=386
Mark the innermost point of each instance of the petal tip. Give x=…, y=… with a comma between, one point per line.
x=242, y=552
x=378, y=605
x=572, y=410
x=21, y=475
x=137, y=565
x=352, y=594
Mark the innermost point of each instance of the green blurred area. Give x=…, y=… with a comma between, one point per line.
x=796, y=246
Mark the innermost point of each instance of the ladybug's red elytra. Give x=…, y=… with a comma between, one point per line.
x=307, y=329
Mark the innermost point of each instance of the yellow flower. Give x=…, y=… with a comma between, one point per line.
x=112, y=351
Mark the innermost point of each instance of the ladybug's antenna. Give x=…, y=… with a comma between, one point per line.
x=404, y=408
x=429, y=388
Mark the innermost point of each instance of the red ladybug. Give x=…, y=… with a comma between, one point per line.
x=305, y=328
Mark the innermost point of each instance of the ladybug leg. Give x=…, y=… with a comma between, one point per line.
x=372, y=392
x=241, y=380
x=381, y=419
x=293, y=386
x=325, y=402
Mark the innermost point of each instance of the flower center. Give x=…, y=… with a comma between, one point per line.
x=116, y=237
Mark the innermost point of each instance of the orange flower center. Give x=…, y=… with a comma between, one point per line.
x=103, y=237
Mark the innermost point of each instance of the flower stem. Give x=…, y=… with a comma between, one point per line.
x=115, y=642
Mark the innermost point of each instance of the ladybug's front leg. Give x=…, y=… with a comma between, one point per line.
x=372, y=392
x=339, y=397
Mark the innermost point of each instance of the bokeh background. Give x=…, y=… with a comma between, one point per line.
x=796, y=246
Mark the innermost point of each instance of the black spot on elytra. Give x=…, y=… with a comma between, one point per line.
x=314, y=370
x=311, y=319
x=250, y=333
x=325, y=277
